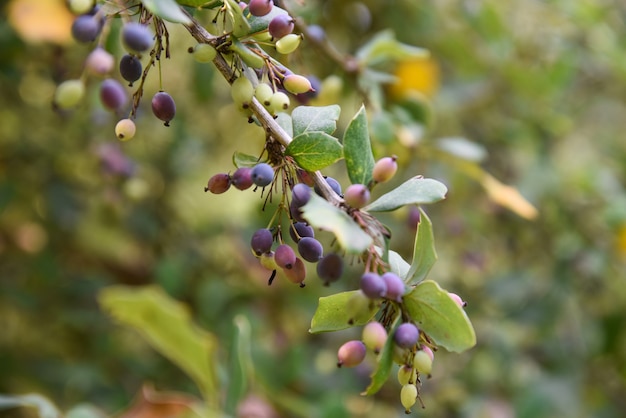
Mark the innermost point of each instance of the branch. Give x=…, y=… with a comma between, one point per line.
x=200, y=34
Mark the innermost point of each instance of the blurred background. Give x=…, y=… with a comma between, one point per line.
x=536, y=89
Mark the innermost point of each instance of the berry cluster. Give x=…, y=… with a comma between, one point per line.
x=138, y=39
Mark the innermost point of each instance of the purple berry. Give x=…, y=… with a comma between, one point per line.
x=395, y=286
x=310, y=249
x=86, y=28
x=302, y=229
x=351, y=354
x=112, y=94
x=334, y=184
x=406, y=335
x=262, y=174
x=373, y=286
x=300, y=194
x=330, y=268
x=284, y=256
x=137, y=37
x=163, y=107
x=261, y=241
x=130, y=68
x=280, y=26
x=295, y=212
x=260, y=7
x=242, y=178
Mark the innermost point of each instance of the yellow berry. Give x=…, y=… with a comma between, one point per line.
x=408, y=397
x=125, y=129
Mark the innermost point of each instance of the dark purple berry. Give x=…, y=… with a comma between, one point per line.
x=284, y=256
x=219, y=183
x=414, y=217
x=86, y=28
x=262, y=174
x=163, y=107
x=334, y=184
x=242, y=178
x=260, y=7
x=280, y=26
x=295, y=212
x=330, y=268
x=302, y=229
x=300, y=194
x=310, y=249
x=130, y=68
x=351, y=354
x=137, y=37
x=395, y=286
x=112, y=94
x=261, y=241
x=406, y=335
x=373, y=286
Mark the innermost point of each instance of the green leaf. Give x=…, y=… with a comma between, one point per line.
x=440, y=317
x=385, y=361
x=357, y=149
x=342, y=310
x=397, y=264
x=166, y=325
x=314, y=150
x=321, y=214
x=244, y=160
x=424, y=254
x=285, y=122
x=240, y=364
x=167, y=9
x=383, y=48
x=313, y=118
x=198, y=3
x=260, y=23
x=415, y=191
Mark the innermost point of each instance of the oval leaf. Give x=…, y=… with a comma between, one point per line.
x=415, y=191
x=244, y=160
x=167, y=9
x=357, y=149
x=333, y=313
x=424, y=254
x=314, y=150
x=440, y=317
x=321, y=214
x=314, y=118
x=166, y=325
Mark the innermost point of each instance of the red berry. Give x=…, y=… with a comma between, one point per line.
x=163, y=107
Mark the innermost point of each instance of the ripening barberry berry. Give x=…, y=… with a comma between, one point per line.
x=284, y=256
x=68, y=94
x=112, y=94
x=408, y=397
x=297, y=84
x=330, y=268
x=261, y=241
x=373, y=285
x=218, y=183
x=406, y=335
x=300, y=230
x=99, y=62
x=130, y=68
x=163, y=107
x=262, y=174
x=278, y=102
x=86, y=28
x=242, y=91
x=428, y=351
x=297, y=273
x=260, y=7
x=374, y=336
x=267, y=260
x=384, y=169
x=137, y=37
x=457, y=299
x=79, y=7
x=242, y=178
x=351, y=354
x=395, y=286
x=280, y=26
x=422, y=362
x=300, y=194
x=334, y=184
x=357, y=196
x=263, y=93
x=203, y=53
x=310, y=249
x=406, y=375
x=125, y=129
x=288, y=43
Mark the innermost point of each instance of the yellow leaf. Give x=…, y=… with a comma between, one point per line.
x=41, y=20
x=420, y=74
x=508, y=196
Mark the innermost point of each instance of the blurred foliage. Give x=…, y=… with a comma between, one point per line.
x=538, y=85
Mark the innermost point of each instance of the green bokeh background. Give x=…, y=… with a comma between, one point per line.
x=539, y=84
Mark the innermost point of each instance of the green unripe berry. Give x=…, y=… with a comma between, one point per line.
x=408, y=397
x=357, y=195
x=203, y=53
x=384, y=169
x=406, y=375
x=279, y=102
x=264, y=93
x=125, y=129
x=267, y=261
x=69, y=93
x=422, y=362
x=80, y=7
x=374, y=336
x=242, y=91
x=297, y=84
x=288, y=43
